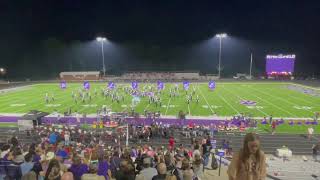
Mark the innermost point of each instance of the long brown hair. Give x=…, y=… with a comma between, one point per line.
x=245, y=152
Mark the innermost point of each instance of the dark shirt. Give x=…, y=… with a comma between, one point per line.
x=120, y=175
x=159, y=177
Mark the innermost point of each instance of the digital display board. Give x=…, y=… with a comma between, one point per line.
x=280, y=64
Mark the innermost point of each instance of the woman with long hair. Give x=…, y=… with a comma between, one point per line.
x=249, y=163
x=53, y=171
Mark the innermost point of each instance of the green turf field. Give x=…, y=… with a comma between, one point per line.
x=271, y=99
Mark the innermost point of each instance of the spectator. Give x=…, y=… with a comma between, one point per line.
x=27, y=165
x=103, y=167
x=92, y=174
x=162, y=172
x=148, y=172
x=126, y=171
x=18, y=158
x=115, y=163
x=198, y=167
x=206, y=147
x=310, y=132
x=249, y=163
x=5, y=149
x=171, y=143
x=31, y=175
x=53, y=138
x=78, y=168
x=53, y=172
x=273, y=126
x=196, y=151
x=187, y=171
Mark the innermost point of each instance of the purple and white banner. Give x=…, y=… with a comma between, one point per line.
x=186, y=85
x=134, y=85
x=63, y=84
x=212, y=85
x=111, y=85
x=160, y=85
x=86, y=85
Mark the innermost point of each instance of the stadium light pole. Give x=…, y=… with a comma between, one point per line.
x=102, y=40
x=220, y=36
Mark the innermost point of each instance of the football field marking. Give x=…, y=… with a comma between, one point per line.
x=167, y=106
x=24, y=99
x=280, y=98
x=301, y=99
x=239, y=97
x=205, y=99
x=274, y=105
x=221, y=97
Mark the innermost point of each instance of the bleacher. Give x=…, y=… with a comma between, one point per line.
x=80, y=76
x=294, y=169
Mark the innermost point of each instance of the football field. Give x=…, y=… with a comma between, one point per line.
x=228, y=99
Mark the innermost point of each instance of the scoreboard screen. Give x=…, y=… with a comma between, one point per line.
x=280, y=64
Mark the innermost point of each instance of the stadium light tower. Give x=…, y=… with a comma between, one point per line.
x=2, y=71
x=102, y=40
x=220, y=36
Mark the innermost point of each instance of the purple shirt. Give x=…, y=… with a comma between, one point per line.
x=78, y=170
x=103, y=169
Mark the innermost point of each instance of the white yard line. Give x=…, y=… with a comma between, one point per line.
x=244, y=99
x=280, y=98
x=221, y=97
x=205, y=100
x=305, y=101
x=22, y=100
x=167, y=106
x=317, y=89
x=274, y=105
x=189, y=110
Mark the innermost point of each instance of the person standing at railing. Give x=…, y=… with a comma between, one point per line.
x=250, y=162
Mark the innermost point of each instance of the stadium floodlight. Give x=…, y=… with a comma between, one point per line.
x=220, y=36
x=102, y=40
x=1, y=70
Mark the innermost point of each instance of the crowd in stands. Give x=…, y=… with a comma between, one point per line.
x=60, y=155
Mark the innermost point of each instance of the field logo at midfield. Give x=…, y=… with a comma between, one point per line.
x=248, y=103
x=17, y=105
x=53, y=105
x=302, y=107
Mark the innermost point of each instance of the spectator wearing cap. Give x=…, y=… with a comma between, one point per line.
x=148, y=172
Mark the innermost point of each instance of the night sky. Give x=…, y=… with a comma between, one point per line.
x=40, y=38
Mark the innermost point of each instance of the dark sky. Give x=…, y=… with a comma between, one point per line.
x=40, y=38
